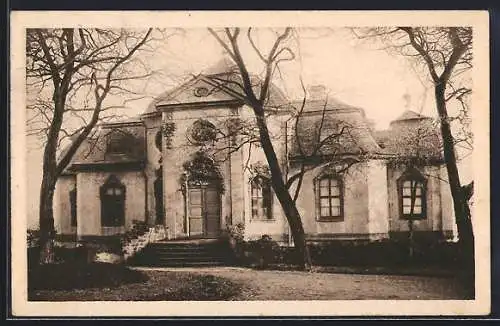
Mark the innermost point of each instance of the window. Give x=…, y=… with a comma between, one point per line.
x=202, y=132
x=329, y=198
x=119, y=142
x=412, y=196
x=72, y=202
x=261, y=198
x=113, y=202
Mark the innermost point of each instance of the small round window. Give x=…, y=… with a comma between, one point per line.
x=203, y=131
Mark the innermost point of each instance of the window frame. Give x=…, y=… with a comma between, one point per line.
x=318, y=197
x=253, y=185
x=113, y=183
x=412, y=176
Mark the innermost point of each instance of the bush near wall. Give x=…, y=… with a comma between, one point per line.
x=264, y=252
x=382, y=253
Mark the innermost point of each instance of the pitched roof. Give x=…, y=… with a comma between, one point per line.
x=411, y=135
x=119, y=143
x=410, y=115
x=340, y=128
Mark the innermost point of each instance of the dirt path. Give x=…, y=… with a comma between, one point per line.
x=290, y=285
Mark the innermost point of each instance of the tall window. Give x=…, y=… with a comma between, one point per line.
x=412, y=196
x=329, y=198
x=72, y=202
x=261, y=198
x=113, y=202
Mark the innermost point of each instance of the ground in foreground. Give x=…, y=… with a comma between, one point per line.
x=233, y=283
x=100, y=282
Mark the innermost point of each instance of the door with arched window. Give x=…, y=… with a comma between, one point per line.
x=204, y=190
x=204, y=208
x=112, y=203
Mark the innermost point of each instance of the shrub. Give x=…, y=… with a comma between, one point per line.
x=261, y=252
x=236, y=231
x=67, y=276
x=380, y=253
x=138, y=228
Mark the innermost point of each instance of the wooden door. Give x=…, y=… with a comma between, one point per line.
x=204, y=212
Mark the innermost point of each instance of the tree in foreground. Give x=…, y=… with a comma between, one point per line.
x=446, y=54
x=309, y=144
x=69, y=75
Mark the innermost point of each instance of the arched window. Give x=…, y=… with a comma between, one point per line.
x=412, y=195
x=261, y=198
x=113, y=202
x=72, y=202
x=329, y=198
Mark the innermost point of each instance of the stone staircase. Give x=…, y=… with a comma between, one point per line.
x=184, y=253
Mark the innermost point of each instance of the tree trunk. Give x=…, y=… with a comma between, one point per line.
x=281, y=191
x=462, y=211
x=411, y=240
x=47, y=230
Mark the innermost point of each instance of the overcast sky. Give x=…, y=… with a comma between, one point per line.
x=357, y=73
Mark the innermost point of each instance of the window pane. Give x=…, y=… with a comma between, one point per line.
x=325, y=211
x=118, y=191
x=335, y=202
x=418, y=201
x=335, y=190
x=335, y=211
x=323, y=191
x=406, y=210
x=407, y=201
x=406, y=191
x=324, y=202
x=324, y=182
x=418, y=191
x=109, y=191
x=417, y=210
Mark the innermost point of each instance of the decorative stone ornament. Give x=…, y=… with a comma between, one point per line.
x=201, y=91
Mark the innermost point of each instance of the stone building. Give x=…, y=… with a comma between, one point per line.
x=181, y=164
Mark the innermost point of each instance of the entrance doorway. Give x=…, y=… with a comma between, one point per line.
x=204, y=210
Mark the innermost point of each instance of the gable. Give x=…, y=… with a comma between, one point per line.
x=197, y=90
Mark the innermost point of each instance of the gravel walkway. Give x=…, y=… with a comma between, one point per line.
x=294, y=285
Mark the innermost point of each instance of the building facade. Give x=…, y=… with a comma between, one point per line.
x=191, y=162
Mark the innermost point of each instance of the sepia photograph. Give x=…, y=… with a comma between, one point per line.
x=250, y=163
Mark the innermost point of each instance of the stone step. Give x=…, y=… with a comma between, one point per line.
x=185, y=253
x=183, y=264
x=180, y=254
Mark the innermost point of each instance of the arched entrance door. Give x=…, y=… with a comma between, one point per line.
x=203, y=197
x=204, y=202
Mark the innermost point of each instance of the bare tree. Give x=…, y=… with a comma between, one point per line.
x=71, y=73
x=446, y=54
x=256, y=98
x=412, y=148
x=256, y=92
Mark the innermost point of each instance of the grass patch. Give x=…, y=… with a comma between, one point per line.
x=107, y=282
x=80, y=275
